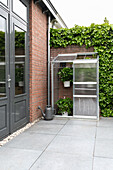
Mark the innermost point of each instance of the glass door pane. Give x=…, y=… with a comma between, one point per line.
x=20, y=9
x=19, y=61
x=2, y=57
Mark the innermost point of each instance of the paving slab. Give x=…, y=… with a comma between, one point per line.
x=61, y=144
x=104, y=133
x=82, y=122
x=45, y=129
x=105, y=122
x=72, y=145
x=79, y=131
x=59, y=121
x=30, y=141
x=103, y=164
x=104, y=148
x=58, y=161
x=17, y=159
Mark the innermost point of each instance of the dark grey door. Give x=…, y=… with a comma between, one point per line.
x=18, y=67
x=4, y=72
x=13, y=66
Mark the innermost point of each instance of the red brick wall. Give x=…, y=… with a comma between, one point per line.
x=38, y=60
x=69, y=49
x=60, y=91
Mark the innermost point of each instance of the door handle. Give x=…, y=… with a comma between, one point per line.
x=9, y=81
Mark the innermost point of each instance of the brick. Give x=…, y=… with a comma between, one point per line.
x=38, y=60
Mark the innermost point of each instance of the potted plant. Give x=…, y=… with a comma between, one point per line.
x=65, y=106
x=66, y=76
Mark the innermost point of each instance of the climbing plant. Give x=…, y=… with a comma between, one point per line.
x=101, y=38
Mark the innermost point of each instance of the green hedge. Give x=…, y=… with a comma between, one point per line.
x=101, y=38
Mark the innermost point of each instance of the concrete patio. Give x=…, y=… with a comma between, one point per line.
x=61, y=144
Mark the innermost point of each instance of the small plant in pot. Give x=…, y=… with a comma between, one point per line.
x=65, y=106
x=66, y=76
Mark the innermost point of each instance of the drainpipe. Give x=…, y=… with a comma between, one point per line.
x=49, y=20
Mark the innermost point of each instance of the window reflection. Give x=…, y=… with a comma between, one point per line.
x=20, y=9
x=19, y=61
x=2, y=58
x=4, y=1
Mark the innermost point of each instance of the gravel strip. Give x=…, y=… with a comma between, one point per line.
x=7, y=139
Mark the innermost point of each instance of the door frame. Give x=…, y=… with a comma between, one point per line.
x=11, y=18
x=4, y=101
x=16, y=20
x=22, y=97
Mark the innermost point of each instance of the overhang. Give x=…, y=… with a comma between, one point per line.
x=47, y=7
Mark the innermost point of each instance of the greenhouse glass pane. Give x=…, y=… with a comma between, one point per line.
x=85, y=72
x=86, y=106
x=85, y=89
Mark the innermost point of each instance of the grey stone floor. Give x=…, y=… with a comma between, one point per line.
x=61, y=144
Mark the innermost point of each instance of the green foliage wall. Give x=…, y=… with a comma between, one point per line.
x=101, y=38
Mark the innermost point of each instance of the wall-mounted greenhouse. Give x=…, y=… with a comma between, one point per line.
x=75, y=85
